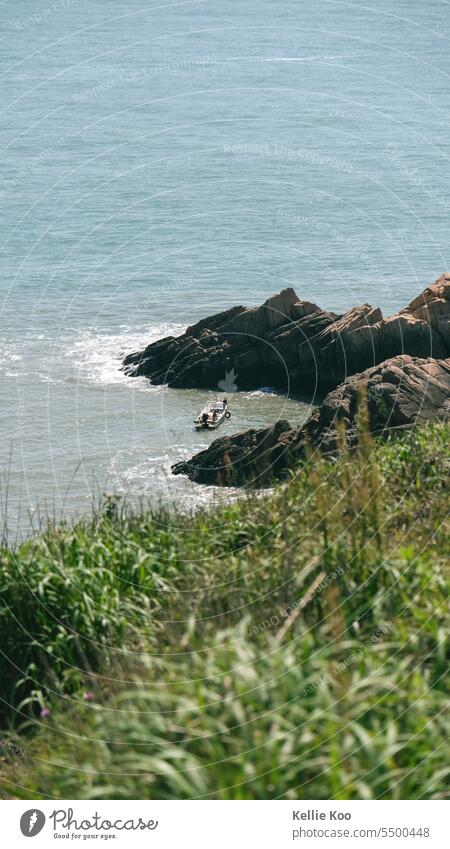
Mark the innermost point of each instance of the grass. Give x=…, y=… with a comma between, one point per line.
x=288, y=646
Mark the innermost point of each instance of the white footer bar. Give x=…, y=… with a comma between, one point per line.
x=221, y=825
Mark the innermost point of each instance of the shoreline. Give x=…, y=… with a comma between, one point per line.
x=401, y=364
x=344, y=563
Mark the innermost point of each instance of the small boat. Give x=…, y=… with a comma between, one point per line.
x=212, y=415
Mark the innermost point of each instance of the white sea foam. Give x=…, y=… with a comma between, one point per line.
x=152, y=476
x=9, y=353
x=261, y=392
x=97, y=357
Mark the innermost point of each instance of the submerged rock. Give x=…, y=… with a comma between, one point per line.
x=291, y=343
x=400, y=392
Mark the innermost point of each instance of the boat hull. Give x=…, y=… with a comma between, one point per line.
x=212, y=416
x=210, y=425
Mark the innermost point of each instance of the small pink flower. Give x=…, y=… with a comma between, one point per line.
x=89, y=696
x=45, y=712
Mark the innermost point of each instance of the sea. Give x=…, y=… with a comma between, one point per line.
x=161, y=161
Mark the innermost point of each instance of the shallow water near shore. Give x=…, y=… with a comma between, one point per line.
x=161, y=162
x=84, y=429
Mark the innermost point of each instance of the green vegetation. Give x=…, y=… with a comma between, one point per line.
x=291, y=645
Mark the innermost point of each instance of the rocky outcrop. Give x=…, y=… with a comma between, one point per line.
x=433, y=307
x=239, y=339
x=400, y=392
x=290, y=343
x=253, y=456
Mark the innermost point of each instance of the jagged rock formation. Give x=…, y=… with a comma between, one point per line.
x=253, y=457
x=400, y=392
x=433, y=307
x=291, y=343
x=400, y=362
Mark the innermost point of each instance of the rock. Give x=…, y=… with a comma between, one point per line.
x=251, y=456
x=433, y=307
x=341, y=348
x=400, y=392
x=406, y=334
x=293, y=344
x=235, y=339
x=220, y=319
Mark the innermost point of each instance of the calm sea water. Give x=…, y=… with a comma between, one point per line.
x=162, y=160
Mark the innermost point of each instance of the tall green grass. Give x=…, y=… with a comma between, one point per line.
x=291, y=645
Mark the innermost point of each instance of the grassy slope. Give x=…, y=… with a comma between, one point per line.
x=289, y=646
